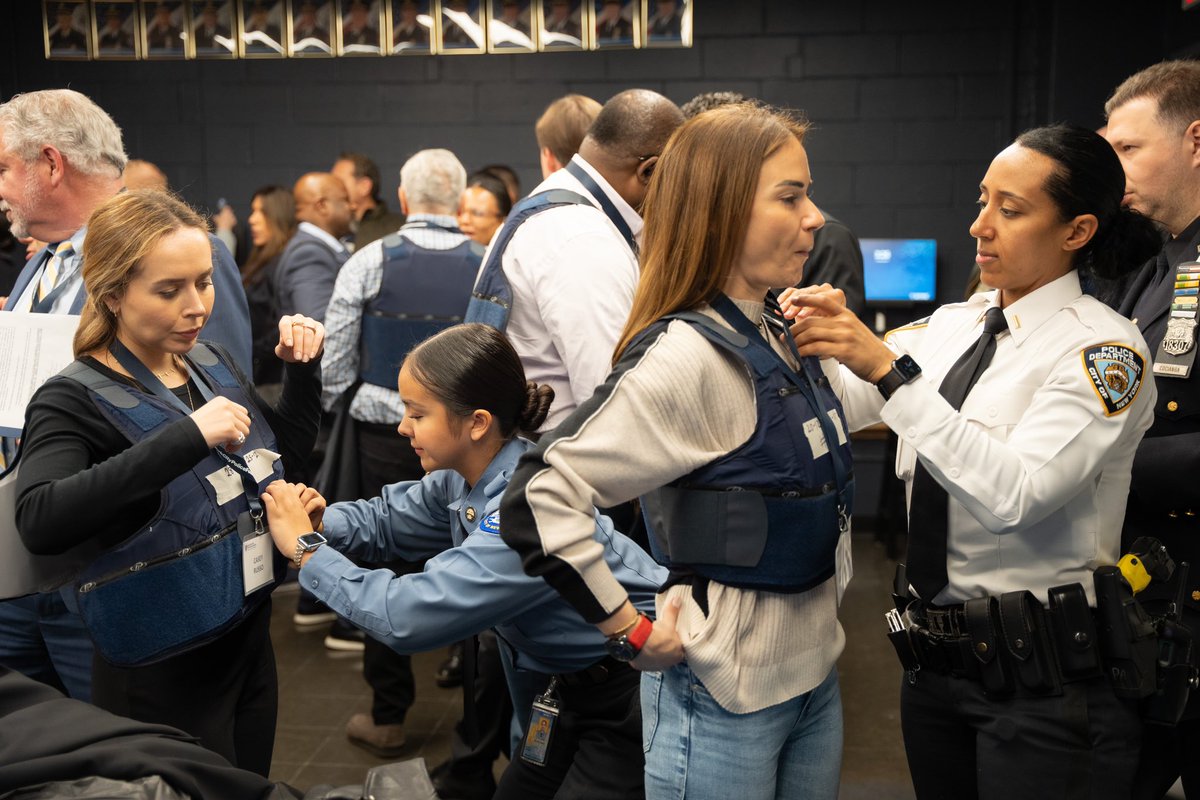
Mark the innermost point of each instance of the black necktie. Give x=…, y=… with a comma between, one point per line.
x=928, y=521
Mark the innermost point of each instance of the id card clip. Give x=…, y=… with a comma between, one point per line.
x=542, y=719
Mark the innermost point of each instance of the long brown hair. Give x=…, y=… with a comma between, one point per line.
x=698, y=206
x=120, y=234
x=279, y=209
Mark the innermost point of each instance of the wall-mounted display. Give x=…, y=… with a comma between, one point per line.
x=312, y=28
x=412, y=24
x=115, y=32
x=162, y=29
x=462, y=27
x=510, y=27
x=214, y=29
x=668, y=23
x=228, y=29
x=67, y=28
x=615, y=23
x=361, y=26
x=562, y=25
x=263, y=24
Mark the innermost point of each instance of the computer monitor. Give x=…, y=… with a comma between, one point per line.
x=899, y=271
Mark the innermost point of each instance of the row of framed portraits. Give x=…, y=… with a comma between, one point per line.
x=224, y=29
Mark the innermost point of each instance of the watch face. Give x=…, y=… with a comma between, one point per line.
x=621, y=649
x=908, y=368
x=310, y=541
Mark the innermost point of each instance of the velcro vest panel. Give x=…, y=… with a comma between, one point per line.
x=423, y=291
x=766, y=515
x=491, y=302
x=176, y=583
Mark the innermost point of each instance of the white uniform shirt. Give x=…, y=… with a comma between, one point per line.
x=572, y=276
x=1037, y=462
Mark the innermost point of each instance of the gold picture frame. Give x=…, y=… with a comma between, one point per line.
x=67, y=29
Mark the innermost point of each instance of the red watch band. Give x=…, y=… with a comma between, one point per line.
x=640, y=633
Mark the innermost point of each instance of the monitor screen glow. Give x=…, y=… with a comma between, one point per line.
x=899, y=270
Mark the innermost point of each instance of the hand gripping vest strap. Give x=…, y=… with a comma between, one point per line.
x=422, y=292
x=491, y=302
x=176, y=583
x=767, y=515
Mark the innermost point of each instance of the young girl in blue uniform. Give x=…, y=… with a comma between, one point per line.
x=465, y=398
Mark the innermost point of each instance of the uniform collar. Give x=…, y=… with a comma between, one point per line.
x=441, y=220
x=485, y=495
x=1027, y=314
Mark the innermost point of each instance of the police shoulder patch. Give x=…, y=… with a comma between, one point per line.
x=490, y=523
x=1115, y=371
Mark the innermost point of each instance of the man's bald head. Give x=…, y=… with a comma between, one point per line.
x=626, y=137
x=141, y=174
x=321, y=199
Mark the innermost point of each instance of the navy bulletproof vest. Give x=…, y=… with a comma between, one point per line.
x=491, y=302
x=423, y=291
x=176, y=583
x=767, y=515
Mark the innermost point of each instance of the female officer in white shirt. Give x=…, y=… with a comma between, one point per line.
x=1017, y=473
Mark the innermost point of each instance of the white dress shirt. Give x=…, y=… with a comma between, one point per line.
x=572, y=276
x=1037, y=463
x=70, y=277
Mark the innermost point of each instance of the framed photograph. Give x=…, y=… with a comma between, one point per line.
x=163, y=23
x=411, y=26
x=312, y=28
x=561, y=25
x=462, y=27
x=361, y=27
x=67, y=27
x=615, y=23
x=214, y=29
x=510, y=26
x=668, y=23
x=115, y=29
x=263, y=23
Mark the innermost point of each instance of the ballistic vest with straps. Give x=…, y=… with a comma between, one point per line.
x=491, y=302
x=423, y=291
x=767, y=515
x=177, y=582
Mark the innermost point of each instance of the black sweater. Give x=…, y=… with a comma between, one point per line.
x=81, y=479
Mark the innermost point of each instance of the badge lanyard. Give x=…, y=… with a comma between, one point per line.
x=542, y=719
x=143, y=375
x=1177, y=351
x=610, y=210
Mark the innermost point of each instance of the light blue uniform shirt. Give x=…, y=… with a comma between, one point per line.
x=472, y=580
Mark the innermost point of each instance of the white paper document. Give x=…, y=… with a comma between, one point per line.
x=33, y=348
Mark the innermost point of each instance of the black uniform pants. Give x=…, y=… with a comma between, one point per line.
x=385, y=457
x=225, y=693
x=1082, y=745
x=595, y=749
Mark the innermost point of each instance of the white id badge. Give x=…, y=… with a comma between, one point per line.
x=258, y=563
x=844, y=562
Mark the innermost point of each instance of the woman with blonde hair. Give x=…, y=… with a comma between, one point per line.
x=158, y=441
x=743, y=468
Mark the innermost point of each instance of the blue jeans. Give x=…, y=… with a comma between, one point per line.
x=696, y=749
x=42, y=639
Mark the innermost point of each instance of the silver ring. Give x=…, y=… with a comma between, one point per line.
x=241, y=438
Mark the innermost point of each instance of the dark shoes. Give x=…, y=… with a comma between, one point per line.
x=385, y=741
x=311, y=611
x=344, y=637
x=449, y=673
x=453, y=785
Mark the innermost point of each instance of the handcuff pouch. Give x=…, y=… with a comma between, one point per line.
x=983, y=626
x=1027, y=640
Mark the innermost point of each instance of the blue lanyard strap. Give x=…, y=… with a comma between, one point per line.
x=802, y=379
x=143, y=375
x=593, y=188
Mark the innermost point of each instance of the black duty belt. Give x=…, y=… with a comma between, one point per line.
x=594, y=675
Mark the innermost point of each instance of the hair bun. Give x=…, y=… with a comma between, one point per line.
x=538, y=398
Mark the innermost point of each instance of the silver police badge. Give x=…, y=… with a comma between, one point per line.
x=1181, y=336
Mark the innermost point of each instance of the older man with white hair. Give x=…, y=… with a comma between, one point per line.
x=390, y=295
x=61, y=158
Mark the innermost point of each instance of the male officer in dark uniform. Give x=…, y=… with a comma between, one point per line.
x=1154, y=125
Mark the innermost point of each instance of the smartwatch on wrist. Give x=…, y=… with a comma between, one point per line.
x=306, y=544
x=626, y=644
x=904, y=370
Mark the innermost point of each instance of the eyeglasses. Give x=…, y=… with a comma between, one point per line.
x=475, y=213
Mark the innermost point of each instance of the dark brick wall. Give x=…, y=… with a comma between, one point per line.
x=910, y=101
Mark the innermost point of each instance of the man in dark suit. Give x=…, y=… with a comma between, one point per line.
x=50, y=183
x=1154, y=125
x=310, y=262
